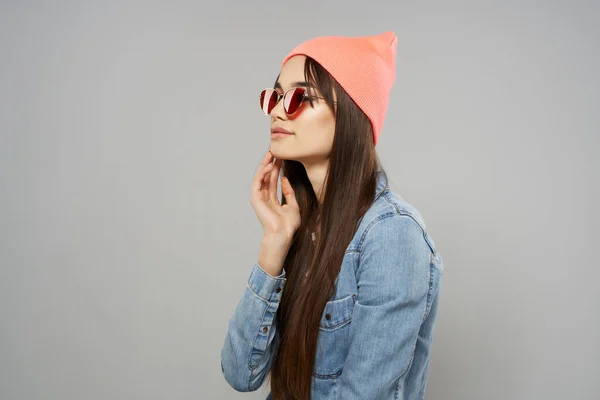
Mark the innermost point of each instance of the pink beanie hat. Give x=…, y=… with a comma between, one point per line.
x=364, y=66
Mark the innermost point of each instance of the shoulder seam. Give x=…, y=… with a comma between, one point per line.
x=386, y=215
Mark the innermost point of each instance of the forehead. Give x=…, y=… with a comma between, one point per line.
x=292, y=71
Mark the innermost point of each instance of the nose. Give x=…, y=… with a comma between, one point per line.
x=277, y=113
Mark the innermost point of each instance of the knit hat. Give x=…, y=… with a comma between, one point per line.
x=364, y=66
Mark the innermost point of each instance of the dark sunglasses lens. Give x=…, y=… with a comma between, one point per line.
x=293, y=100
x=268, y=100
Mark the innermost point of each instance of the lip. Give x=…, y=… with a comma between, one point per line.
x=280, y=131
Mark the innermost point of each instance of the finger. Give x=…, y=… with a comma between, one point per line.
x=274, y=176
x=288, y=192
x=264, y=192
x=260, y=172
x=267, y=158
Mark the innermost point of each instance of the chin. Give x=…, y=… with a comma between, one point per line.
x=280, y=151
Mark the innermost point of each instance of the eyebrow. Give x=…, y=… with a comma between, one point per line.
x=298, y=84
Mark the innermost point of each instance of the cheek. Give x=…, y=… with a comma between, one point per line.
x=322, y=123
x=327, y=124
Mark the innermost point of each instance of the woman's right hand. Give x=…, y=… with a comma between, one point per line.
x=277, y=220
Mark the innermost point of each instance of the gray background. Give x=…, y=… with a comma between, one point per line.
x=130, y=133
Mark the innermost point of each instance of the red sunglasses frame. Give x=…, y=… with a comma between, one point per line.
x=280, y=96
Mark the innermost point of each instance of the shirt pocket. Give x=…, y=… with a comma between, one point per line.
x=334, y=337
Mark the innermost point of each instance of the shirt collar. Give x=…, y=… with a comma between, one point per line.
x=381, y=183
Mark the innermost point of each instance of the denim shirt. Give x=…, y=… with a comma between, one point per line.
x=376, y=332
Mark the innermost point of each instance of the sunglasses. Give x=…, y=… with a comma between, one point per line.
x=292, y=100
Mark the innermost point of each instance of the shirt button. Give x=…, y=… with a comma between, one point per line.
x=265, y=329
x=328, y=316
x=278, y=290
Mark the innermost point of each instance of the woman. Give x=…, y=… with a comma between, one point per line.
x=342, y=300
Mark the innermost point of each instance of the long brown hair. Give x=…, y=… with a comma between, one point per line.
x=349, y=192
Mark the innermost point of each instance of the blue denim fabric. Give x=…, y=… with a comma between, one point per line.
x=376, y=331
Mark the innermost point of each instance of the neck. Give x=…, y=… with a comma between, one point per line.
x=316, y=173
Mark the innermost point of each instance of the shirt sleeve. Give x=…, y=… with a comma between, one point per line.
x=393, y=282
x=252, y=337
